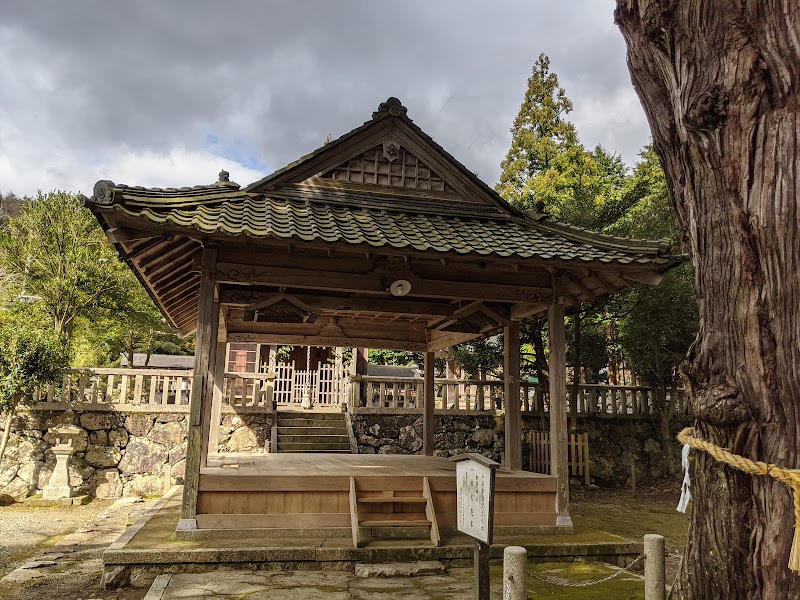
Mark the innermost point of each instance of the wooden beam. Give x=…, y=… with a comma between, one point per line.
x=511, y=400
x=441, y=340
x=525, y=310
x=169, y=259
x=218, y=382
x=375, y=284
x=330, y=342
x=126, y=234
x=557, y=369
x=429, y=401
x=646, y=277
x=604, y=284
x=199, y=403
x=389, y=305
x=590, y=294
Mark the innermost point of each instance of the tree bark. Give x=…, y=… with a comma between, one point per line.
x=719, y=83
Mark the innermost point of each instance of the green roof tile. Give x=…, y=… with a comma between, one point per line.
x=229, y=211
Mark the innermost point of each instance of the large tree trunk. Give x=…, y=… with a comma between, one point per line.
x=719, y=83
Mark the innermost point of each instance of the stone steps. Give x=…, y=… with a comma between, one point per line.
x=312, y=432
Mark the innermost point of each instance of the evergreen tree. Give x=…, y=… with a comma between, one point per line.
x=540, y=135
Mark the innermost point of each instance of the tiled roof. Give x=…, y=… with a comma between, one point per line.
x=224, y=209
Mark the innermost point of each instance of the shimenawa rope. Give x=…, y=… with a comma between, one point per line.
x=789, y=477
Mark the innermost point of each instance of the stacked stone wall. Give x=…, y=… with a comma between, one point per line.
x=142, y=453
x=116, y=453
x=613, y=441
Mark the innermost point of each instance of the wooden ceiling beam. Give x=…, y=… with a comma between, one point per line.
x=444, y=340
x=604, y=283
x=525, y=310
x=376, y=284
x=389, y=305
x=168, y=259
x=330, y=342
x=166, y=293
x=590, y=294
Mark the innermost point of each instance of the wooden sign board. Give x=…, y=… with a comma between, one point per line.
x=475, y=495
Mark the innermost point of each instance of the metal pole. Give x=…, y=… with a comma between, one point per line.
x=515, y=572
x=654, y=567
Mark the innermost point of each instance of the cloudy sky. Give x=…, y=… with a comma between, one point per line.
x=160, y=93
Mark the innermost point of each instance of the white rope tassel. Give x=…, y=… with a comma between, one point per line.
x=686, y=486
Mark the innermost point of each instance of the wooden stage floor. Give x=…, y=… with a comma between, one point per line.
x=334, y=492
x=341, y=465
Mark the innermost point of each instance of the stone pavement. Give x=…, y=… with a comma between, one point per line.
x=312, y=585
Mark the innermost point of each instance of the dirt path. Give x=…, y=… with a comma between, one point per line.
x=49, y=553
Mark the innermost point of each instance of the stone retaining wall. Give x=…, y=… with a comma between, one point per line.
x=120, y=452
x=116, y=453
x=613, y=441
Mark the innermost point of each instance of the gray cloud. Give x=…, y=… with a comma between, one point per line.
x=142, y=91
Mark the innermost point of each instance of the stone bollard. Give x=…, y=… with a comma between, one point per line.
x=515, y=572
x=654, y=567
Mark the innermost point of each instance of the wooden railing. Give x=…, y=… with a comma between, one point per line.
x=171, y=387
x=119, y=386
x=488, y=395
x=599, y=399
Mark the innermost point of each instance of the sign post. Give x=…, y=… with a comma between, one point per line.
x=475, y=495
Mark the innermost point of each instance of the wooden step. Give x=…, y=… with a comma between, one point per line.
x=394, y=499
x=395, y=523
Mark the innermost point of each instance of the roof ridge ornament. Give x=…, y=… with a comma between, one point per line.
x=392, y=107
x=225, y=180
x=103, y=192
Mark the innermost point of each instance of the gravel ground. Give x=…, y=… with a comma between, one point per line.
x=73, y=538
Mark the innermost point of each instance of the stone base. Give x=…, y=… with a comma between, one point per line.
x=56, y=492
x=44, y=502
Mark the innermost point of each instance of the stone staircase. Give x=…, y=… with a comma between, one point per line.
x=312, y=432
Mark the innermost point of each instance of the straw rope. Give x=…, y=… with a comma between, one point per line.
x=789, y=477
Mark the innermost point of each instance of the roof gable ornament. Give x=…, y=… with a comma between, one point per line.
x=392, y=107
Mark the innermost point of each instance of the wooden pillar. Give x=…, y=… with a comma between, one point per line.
x=557, y=368
x=511, y=399
x=429, y=397
x=200, y=395
x=218, y=383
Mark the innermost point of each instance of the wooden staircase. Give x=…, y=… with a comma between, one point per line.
x=390, y=508
x=312, y=432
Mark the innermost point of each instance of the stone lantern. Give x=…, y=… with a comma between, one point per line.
x=58, y=486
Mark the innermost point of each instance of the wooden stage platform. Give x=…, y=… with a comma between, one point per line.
x=356, y=494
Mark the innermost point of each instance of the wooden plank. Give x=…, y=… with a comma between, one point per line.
x=273, y=521
x=511, y=400
x=354, y=513
x=429, y=400
x=430, y=512
x=558, y=389
x=199, y=405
